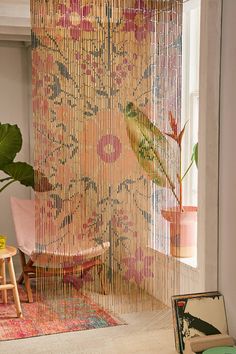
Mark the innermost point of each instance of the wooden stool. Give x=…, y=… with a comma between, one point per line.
x=6, y=254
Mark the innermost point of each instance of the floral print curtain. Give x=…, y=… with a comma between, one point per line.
x=97, y=64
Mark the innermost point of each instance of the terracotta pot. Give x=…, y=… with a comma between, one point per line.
x=183, y=231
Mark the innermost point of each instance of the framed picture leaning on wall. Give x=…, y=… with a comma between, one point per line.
x=198, y=315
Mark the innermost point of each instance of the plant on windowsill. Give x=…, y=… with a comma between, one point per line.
x=149, y=145
x=10, y=145
x=183, y=219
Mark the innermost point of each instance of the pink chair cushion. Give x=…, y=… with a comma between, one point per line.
x=23, y=211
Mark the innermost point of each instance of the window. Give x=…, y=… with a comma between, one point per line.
x=190, y=95
x=190, y=114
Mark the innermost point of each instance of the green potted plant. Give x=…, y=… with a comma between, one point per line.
x=10, y=145
x=183, y=219
x=151, y=147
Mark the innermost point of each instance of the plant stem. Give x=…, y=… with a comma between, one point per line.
x=5, y=179
x=180, y=181
x=6, y=185
x=172, y=187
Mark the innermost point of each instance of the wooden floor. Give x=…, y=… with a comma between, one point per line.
x=130, y=300
x=145, y=333
x=148, y=331
x=121, y=299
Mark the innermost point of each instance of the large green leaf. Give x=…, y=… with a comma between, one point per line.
x=194, y=157
x=149, y=145
x=21, y=172
x=25, y=174
x=10, y=143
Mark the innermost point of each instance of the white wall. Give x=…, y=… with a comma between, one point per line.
x=14, y=109
x=15, y=19
x=227, y=243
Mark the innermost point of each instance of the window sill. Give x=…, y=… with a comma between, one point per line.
x=188, y=262
x=192, y=262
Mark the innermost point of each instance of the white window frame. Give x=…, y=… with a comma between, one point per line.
x=208, y=171
x=190, y=96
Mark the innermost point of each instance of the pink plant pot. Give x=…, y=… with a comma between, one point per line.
x=183, y=231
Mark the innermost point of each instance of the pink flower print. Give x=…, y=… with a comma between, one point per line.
x=41, y=66
x=121, y=221
x=76, y=280
x=91, y=227
x=109, y=148
x=119, y=67
x=76, y=260
x=78, y=56
x=138, y=266
x=73, y=18
x=138, y=20
x=130, y=67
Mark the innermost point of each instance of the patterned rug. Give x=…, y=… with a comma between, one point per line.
x=90, y=316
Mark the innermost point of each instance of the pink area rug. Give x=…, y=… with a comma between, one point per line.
x=89, y=316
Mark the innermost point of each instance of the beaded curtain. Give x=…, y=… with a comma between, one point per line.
x=106, y=75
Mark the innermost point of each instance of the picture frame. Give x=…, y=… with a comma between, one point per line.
x=198, y=314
